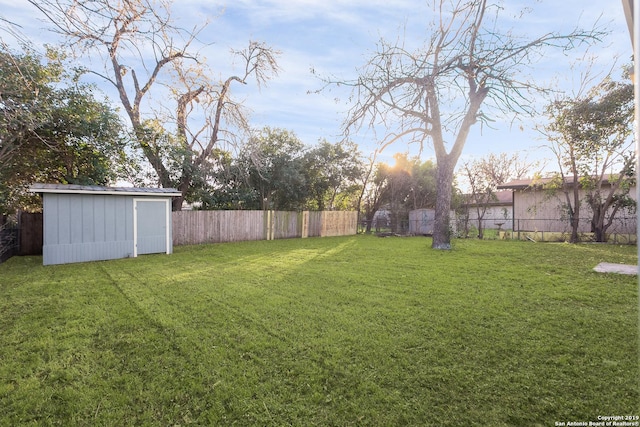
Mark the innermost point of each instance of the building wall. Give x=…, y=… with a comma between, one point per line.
x=534, y=210
x=80, y=228
x=493, y=216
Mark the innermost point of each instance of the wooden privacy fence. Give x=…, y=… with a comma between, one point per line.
x=196, y=227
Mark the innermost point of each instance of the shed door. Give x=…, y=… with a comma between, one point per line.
x=151, y=226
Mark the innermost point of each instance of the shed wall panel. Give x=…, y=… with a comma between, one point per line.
x=79, y=228
x=75, y=208
x=88, y=219
x=110, y=214
x=421, y=221
x=123, y=227
x=49, y=222
x=63, y=220
x=99, y=234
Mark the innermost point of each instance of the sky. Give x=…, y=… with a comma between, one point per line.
x=337, y=37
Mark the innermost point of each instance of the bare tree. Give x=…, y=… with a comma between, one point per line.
x=434, y=93
x=144, y=55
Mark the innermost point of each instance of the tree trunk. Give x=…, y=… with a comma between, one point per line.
x=176, y=203
x=444, y=182
x=480, y=218
x=369, y=219
x=597, y=223
x=183, y=188
x=575, y=212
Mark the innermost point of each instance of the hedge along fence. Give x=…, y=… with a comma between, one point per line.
x=197, y=227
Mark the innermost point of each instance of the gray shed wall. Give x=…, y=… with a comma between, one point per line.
x=80, y=228
x=422, y=221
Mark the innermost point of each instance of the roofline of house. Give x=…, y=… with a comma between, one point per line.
x=499, y=203
x=517, y=186
x=541, y=182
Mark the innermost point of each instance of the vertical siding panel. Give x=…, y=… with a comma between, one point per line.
x=75, y=216
x=88, y=227
x=50, y=228
x=117, y=209
x=65, y=219
x=50, y=224
x=109, y=219
x=127, y=214
x=99, y=219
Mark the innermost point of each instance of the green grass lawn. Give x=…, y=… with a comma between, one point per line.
x=326, y=331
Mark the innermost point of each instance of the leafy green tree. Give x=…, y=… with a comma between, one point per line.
x=423, y=185
x=53, y=129
x=274, y=166
x=590, y=137
x=226, y=185
x=399, y=183
x=374, y=193
x=332, y=171
x=408, y=184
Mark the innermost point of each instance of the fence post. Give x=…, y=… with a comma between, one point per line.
x=303, y=223
x=268, y=224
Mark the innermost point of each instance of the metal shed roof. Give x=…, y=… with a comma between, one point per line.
x=96, y=189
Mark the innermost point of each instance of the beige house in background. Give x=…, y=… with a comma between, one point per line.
x=535, y=210
x=498, y=213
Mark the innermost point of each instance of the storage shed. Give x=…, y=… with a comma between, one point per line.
x=91, y=223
